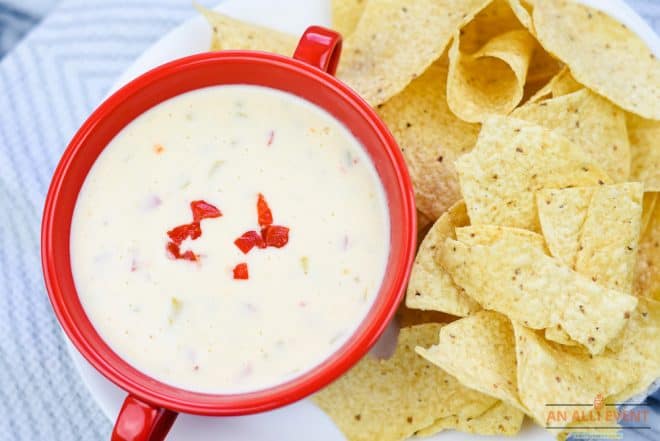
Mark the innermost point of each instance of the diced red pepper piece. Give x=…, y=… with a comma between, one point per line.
x=189, y=255
x=245, y=244
x=241, y=271
x=182, y=232
x=173, y=249
x=271, y=137
x=175, y=252
x=263, y=210
x=275, y=235
x=203, y=210
x=249, y=240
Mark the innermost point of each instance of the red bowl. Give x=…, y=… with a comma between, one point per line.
x=150, y=408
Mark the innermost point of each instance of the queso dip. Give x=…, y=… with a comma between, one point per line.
x=173, y=293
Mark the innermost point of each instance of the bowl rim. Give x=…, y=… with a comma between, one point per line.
x=168, y=396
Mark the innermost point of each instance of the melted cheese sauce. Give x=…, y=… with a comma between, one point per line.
x=190, y=324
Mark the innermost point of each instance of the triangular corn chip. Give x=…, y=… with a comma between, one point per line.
x=590, y=122
x=389, y=400
x=479, y=351
x=229, y=33
x=537, y=290
x=601, y=53
x=430, y=137
x=511, y=161
x=380, y=59
x=430, y=287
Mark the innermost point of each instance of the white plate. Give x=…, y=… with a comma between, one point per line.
x=300, y=421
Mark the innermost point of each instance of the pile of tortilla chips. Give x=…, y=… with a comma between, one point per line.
x=531, y=130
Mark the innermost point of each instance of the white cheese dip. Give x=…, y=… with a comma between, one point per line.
x=190, y=323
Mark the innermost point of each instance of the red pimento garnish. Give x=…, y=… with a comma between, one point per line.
x=200, y=210
x=271, y=137
x=203, y=210
x=264, y=214
x=189, y=255
x=173, y=249
x=241, y=271
x=182, y=232
x=175, y=252
x=249, y=240
x=275, y=235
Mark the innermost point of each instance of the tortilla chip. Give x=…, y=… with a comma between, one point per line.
x=229, y=33
x=532, y=89
x=395, y=41
x=607, y=249
x=594, y=230
x=431, y=138
x=644, y=138
x=549, y=375
x=392, y=399
x=501, y=419
x=564, y=83
x=523, y=12
x=519, y=280
x=639, y=346
x=480, y=351
x=562, y=214
x=491, y=80
x=588, y=121
x=613, y=225
x=602, y=53
x=423, y=225
x=542, y=93
x=444, y=423
x=512, y=160
x=490, y=234
x=648, y=208
x=647, y=275
x=495, y=19
x=558, y=335
x=543, y=66
x=561, y=84
x=430, y=287
x=346, y=14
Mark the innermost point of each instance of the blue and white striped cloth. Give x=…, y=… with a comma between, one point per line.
x=17, y=18
x=49, y=83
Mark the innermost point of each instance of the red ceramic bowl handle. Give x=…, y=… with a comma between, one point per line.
x=319, y=47
x=139, y=421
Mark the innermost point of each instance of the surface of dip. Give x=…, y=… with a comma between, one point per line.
x=189, y=322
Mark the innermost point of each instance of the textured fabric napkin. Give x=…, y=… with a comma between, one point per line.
x=49, y=83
